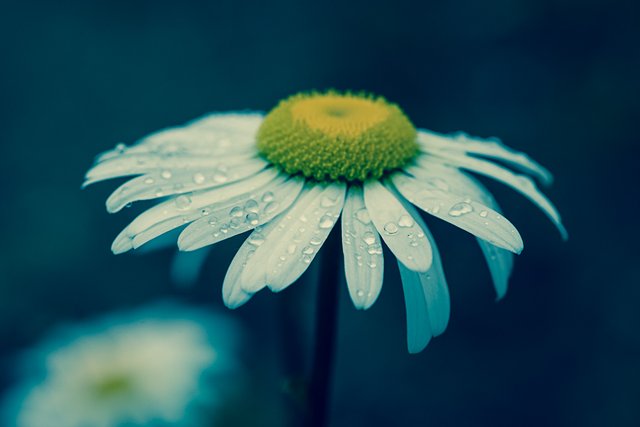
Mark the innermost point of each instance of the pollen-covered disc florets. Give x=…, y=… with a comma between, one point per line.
x=331, y=136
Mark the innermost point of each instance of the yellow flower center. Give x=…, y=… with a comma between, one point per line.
x=117, y=384
x=332, y=136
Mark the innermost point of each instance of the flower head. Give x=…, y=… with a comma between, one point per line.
x=290, y=175
x=143, y=367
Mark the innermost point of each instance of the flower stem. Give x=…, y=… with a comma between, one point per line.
x=325, y=333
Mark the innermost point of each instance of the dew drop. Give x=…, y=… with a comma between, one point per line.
x=213, y=220
x=483, y=214
x=291, y=249
x=268, y=197
x=327, y=202
x=271, y=207
x=205, y=212
x=405, y=221
x=306, y=259
x=369, y=238
x=252, y=218
x=183, y=202
x=251, y=206
x=460, y=209
x=362, y=215
x=390, y=228
x=198, y=178
x=149, y=181
x=234, y=223
x=166, y=174
x=220, y=177
x=256, y=239
x=360, y=293
x=315, y=240
x=326, y=222
x=236, y=212
x=120, y=148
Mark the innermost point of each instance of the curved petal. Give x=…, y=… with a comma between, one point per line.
x=181, y=210
x=240, y=214
x=170, y=181
x=492, y=147
x=292, y=240
x=363, y=258
x=499, y=261
x=232, y=293
x=397, y=228
x=418, y=325
x=465, y=213
x=521, y=183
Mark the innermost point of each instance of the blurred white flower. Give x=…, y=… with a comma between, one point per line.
x=142, y=368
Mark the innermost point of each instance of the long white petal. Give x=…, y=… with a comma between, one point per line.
x=213, y=135
x=183, y=209
x=171, y=181
x=521, y=183
x=418, y=324
x=465, y=213
x=362, y=249
x=499, y=261
x=232, y=293
x=241, y=213
x=397, y=228
x=292, y=240
x=434, y=284
x=492, y=148
x=138, y=164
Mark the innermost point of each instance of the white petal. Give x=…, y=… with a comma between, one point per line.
x=232, y=293
x=418, y=325
x=397, y=228
x=500, y=263
x=434, y=284
x=293, y=239
x=484, y=147
x=241, y=213
x=521, y=183
x=183, y=209
x=171, y=181
x=213, y=135
x=362, y=249
x=465, y=213
x=187, y=266
x=137, y=164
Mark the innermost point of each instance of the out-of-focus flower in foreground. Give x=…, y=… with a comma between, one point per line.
x=149, y=367
x=290, y=174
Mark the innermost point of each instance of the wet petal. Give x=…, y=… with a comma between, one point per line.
x=521, y=183
x=241, y=213
x=492, y=147
x=183, y=209
x=170, y=181
x=465, y=213
x=397, y=228
x=232, y=293
x=292, y=240
x=363, y=259
x=418, y=324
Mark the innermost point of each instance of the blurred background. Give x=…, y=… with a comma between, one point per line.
x=556, y=79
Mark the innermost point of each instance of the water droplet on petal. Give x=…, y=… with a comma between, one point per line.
x=271, y=207
x=460, y=209
x=405, y=221
x=483, y=214
x=362, y=215
x=149, y=181
x=327, y=202
x=268, y=197
x=220, y=177
x=291, y=249
x=360, y=293
x=308, y=250
x=252, y=219
x=315, y=240
x=251, y=206
x=326, y=222
x=256, y=239
x=236, y=212
x=120, y=148
x=390, y=228
x=166, y=174
x=198, y=178
x=369, y=238
x=183, y=202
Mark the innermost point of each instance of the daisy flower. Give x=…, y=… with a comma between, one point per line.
x=315, y=159
x=144, y=368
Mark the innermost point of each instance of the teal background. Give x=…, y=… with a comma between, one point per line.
x=556, y=79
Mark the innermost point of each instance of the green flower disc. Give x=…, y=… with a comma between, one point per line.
x=333, y=136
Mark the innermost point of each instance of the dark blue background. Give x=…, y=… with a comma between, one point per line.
x=556, y=79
